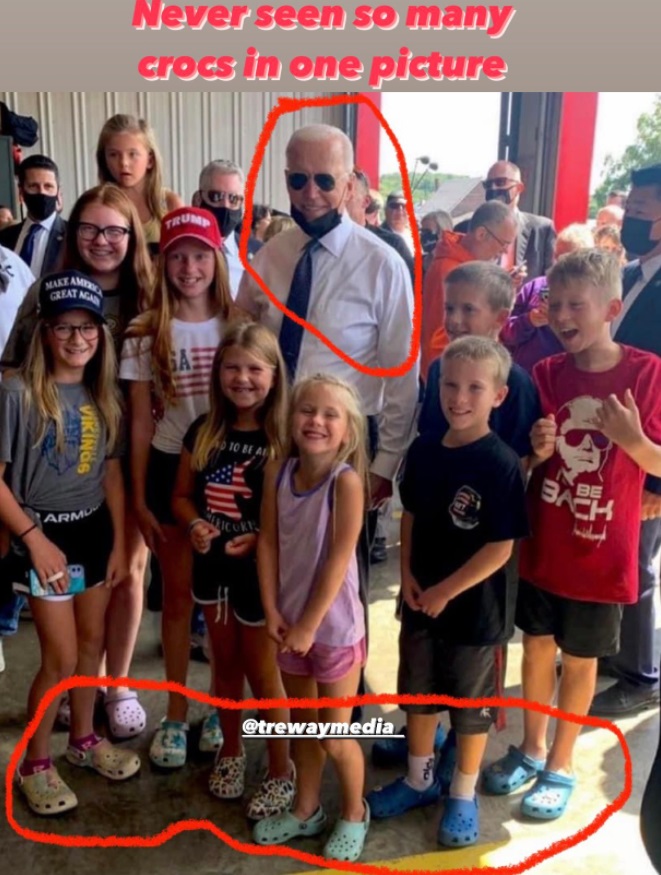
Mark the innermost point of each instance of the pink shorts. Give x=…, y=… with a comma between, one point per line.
x=324, y=663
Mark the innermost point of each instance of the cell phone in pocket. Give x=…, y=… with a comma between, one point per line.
x=76, y=582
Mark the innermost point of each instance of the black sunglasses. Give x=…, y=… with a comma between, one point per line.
x=323, y=181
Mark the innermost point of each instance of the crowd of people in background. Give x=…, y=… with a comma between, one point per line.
x=159, y=413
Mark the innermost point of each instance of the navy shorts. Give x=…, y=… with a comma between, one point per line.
x=229, y=581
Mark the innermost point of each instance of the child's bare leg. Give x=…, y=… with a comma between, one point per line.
x=346, y=753
x=259, y=658
x=470, y=753
x=308, y=755
x=226, y=656
x=539, y=683
x=56, y=627
x=577, y=686
x=90, y=609
x=175, y=558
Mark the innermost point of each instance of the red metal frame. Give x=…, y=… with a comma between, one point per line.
x=575, y=152
x=368, y=138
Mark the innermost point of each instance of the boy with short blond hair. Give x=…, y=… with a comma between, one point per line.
x=599, y=435
x=464, y=506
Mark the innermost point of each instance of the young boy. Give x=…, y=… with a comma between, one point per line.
x=478, y=300
x=600, y=433
x=464, y=506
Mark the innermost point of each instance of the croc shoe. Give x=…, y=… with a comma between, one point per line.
x=399, y=797
x=106, y=759
x=284, y=827
x=460, y=824
x=169, y=745
x=46, y=793
x=510, y=772
x=347, y=840
x=549, y=796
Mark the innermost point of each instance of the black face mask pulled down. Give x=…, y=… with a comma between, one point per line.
x=635, y=235
x=316, y=228
x=40, y=206
x=428, y=239
x=499, y=194
x=226, y=219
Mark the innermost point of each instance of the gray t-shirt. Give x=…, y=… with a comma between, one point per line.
x=40, y=477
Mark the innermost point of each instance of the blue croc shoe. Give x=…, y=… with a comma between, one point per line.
x=510, y=772
x=388, y=752
x=549, y=796
x=460, y=824
x=398, y=797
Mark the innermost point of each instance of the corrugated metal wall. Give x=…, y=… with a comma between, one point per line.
x=192, y=129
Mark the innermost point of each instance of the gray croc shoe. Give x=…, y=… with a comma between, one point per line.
x=283, y=827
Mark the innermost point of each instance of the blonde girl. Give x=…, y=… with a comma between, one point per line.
x=128, y=155
x=61, y=497
x=312, y=515
x=167, y=360
x=105, y=241
x=217, y=498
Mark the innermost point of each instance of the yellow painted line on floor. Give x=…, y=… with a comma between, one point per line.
x=438, y=861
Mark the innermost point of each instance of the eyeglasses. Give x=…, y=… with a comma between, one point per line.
x=499, y=182
x=574, y=438
x=324, y=181
x=504, y=243
x=112, y=233
x=396, y=206
x=218, y=197
x=66, y=330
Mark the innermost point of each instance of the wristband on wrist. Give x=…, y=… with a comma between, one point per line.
x=27, y=532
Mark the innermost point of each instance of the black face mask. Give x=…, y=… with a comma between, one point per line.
x=635, y=235
x=428, y=238
x=227, y=219
x=499, y=194
x=40, y=206
x=317, y=227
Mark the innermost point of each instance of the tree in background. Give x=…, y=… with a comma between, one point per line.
x=646, y=150
x=430, y=182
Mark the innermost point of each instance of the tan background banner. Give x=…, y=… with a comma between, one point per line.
x=564, y=45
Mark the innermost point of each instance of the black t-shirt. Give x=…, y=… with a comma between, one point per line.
x=463, y=498
x=228, y=492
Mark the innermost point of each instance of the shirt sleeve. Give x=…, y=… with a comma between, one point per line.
x=135, y=363
x=431, y=416
x=9, y=417
x=518, y=329
x=247, y=297
x=400, y=394
x=407, y=487
x=514, y=420
x=16, y=348
x=507, y=517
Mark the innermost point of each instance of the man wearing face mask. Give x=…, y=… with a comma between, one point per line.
x=39, y=239
x=531, y=254
x=639, y=325
x=352, y=287
x=221, y=191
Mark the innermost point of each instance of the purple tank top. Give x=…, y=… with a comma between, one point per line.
x=304, y=531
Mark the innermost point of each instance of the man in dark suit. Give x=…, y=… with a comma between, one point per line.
x=39, y=240
x=639, y=325
x=221, y=191
x=532, y=252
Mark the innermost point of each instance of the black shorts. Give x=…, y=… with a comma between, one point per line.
x=230, y=583
x=431, y=666
x=85, y=537
x=585, y=629
x=161, y=476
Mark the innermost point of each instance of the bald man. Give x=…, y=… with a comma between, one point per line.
x=531, y=254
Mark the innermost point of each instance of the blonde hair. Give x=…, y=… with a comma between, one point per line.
x=276, y=225
x=594, y=267
x=576, y=235
x=481, y=349
x=99, y=378
x=260, y=342
x=129, y=124
x=610, y=234
x=156, y=322
x=492, y=280
x=354, y=452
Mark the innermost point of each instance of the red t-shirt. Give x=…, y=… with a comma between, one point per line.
x=585, y=501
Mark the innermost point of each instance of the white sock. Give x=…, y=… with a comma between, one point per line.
x=421, y=772
x=463, y=786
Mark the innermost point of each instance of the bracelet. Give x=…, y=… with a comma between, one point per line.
x=193, y=523
x=27, y=532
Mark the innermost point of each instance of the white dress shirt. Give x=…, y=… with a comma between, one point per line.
x=362, y=301
x=234, y=266
x=648, y=269
x=17, y=279
x=40, y=244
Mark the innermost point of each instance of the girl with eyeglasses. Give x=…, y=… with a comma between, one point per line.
x=106, y=242
x=128, y=155
x=62, y=500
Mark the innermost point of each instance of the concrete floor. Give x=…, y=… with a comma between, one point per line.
x=147, y=804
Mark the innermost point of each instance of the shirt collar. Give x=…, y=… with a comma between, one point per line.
x=337, y=239
x=650, y=267
x=47, y=224
x=230, y=244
